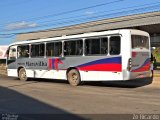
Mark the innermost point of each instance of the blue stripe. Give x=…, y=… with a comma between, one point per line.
x=53, y=60
x=103, y=61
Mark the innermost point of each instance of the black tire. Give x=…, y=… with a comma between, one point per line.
x=22, y=74
x=74, y=77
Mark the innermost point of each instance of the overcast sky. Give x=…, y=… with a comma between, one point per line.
x=18, y=16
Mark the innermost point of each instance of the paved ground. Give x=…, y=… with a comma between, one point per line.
x=40, y=97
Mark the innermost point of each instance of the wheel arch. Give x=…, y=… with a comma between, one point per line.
x=20, y=67
x=70, y=68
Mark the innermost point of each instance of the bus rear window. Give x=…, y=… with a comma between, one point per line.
x=139, y=41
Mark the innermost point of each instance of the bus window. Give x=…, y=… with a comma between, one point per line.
x=54, y=49
x=92, y=46
x=140, y=41
x=115, y=44
x=73, y=47
x=23, y=51
x=104, y=45
x=96, y=46
x=12, y=53
x=37, y=50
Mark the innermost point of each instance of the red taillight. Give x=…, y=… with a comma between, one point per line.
x=134, y=54
x=129, y=64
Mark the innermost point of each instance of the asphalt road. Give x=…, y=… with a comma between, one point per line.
x=37, y=99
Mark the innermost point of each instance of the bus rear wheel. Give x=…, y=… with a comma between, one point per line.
x=73, y=77
x=22, y=74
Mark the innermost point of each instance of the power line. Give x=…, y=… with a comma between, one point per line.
x=84, y=16
x=89, y=18
x=67, y=12
x=86, y=26
x=91, y=25
x=98, y=16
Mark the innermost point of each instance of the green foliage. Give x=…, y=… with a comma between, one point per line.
x=156, y=54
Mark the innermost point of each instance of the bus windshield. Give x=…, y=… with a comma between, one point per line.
x=139, y=41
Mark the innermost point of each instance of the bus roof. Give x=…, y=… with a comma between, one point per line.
x=84, y=35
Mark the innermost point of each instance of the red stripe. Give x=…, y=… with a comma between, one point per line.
x=50, y=63
x=134, y=54
x=56, y=63
x=144, y=68
x=103, y=67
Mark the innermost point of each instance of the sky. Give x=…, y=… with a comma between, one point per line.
x=21, y=16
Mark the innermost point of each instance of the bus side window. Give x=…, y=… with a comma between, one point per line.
x=54, y=49
x=23, y=51
x=49, y=49
x=92, y=46
x=58, y=49
x=41, y=50
x=115, y=44
x=73, y=47
x=79, y=47
x=104, y=45
x=37, y=50
x=12, y=53
x=67, y=47
x=96, y=46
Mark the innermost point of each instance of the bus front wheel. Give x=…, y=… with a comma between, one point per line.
x=73, y=77
x=22, y=74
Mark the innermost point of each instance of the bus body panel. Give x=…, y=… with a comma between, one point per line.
x=125, y=52
x=140, y=64
x=91, y=67
x=12, y=72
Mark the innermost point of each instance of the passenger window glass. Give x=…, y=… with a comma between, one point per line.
x=12, y=53
x=104, y=45
x=115, y=45
x=23, y=51
x=73, y=47
x=139, y=41
x=92, y=46
x=96, y=46
x=54, y=49
x=37, y=50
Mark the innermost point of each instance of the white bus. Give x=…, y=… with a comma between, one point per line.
x=98, y=56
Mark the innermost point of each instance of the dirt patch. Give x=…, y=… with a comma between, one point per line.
x=3, y=70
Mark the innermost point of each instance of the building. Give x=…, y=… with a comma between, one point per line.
x=3, y=50
x=149, y=22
